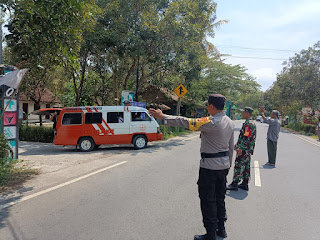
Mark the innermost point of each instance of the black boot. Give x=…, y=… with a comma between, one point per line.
x=221, y=231
x=244, y=185
x=208, y=236
x=233, y=186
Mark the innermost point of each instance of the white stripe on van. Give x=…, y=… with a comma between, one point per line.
x=104, y=124
x=96, y=127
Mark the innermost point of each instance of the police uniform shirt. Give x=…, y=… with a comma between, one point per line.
x=217, y=135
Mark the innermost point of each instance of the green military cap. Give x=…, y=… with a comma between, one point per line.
x=248, y=109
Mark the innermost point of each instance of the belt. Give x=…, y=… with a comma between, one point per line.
x=214, y=155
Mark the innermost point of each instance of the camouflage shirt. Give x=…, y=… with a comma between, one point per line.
x=247, y=137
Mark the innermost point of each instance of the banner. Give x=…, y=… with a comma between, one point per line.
x=11, y=78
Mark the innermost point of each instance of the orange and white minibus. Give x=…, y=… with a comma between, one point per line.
x=90, y=127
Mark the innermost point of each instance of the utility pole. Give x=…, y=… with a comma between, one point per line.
x=137, y=87
x=0, y=41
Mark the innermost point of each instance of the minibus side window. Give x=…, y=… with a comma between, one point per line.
x=91, y=118
x=115, y=117
x=72, y=119
x=139, y=116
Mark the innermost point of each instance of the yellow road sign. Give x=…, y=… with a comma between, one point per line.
x=180, y=90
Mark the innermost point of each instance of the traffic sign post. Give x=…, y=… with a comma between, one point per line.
x=180, y=91
x=9, y=122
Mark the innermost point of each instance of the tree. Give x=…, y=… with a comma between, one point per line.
x=298, y=84
x=229, y=80
x=167, y=36
x=41, y=37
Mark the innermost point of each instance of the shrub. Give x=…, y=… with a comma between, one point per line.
x=300, y=127
x=6, y=165
x=36, y=134
x=169, y=131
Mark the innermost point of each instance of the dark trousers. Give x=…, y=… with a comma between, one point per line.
x=242, y=167
x=212, y=190
x=272, y=151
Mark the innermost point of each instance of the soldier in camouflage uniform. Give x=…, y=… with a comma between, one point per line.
x=244, y=147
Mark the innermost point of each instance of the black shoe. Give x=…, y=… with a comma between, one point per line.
x=204, y=237
x=233, y=186
x=270, y=164
x=244, y=186
x=222, y=233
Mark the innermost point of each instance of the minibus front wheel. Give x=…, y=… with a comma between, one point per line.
x=86, y=144
x=140, y=141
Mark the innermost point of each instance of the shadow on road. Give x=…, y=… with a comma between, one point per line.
x=5, y=206
x=239, y=195
x=49, y=149
x=268, y=166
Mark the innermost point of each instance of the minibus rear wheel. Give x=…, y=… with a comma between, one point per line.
x=139, y=142
x=86, y=144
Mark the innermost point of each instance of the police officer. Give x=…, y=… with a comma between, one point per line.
x=244, y=147
x=216, y=158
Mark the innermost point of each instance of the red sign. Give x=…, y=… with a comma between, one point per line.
x=10, y=118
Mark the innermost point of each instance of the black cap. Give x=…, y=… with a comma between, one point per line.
x=217, y=100
x=248, y=109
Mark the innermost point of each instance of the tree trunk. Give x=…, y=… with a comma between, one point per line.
x=132, y=68
x=115, y=89
x=83, y=72
x=75, y=90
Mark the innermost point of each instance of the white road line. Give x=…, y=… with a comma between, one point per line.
x=190, y=138
x=58, y=186
x=257, y=180
x=307, y=140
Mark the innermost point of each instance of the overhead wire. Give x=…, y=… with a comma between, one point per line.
x=263, y=49
x=259, y=49
x=265, y=58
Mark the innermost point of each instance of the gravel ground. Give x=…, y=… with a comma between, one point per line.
x=50, y=158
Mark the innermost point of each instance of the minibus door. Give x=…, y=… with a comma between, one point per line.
x=140, y=122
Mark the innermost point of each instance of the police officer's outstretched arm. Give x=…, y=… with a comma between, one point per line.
x=188, y=123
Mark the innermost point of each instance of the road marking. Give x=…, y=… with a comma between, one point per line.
x=190, y=138
x=257, y=180
x=58, y=186
x=307, y=140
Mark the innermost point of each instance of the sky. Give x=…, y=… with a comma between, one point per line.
x=265, y=29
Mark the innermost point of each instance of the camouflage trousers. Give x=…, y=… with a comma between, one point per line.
x=242, y=167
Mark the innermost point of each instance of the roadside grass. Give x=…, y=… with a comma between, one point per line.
x=16, y=176
x=302, y=132
x=170, y=132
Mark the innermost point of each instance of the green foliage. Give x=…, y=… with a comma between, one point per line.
x=43, y=35
x=36, y=134
x=6, y=165
x=90, y=55
x=299, y=83
x=254, y=100
x=169, y=131
x=219, y=77
x=168, y=37
x=305, y=128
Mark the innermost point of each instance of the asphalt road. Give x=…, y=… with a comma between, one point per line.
x=152, y=195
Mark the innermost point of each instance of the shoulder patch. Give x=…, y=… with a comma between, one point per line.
x=196, y=123
x=247, y=131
